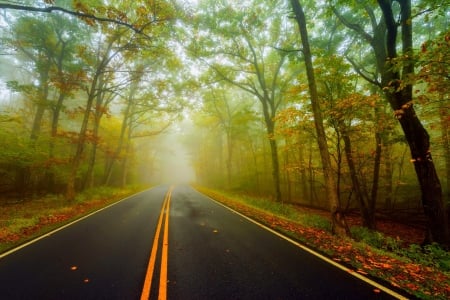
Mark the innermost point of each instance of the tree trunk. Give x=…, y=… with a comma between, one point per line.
x=229, y=156
x=270, y=125
x=445, y=136
x=303, y=175
x=339, y=225
x=41, y=103
x=376, y=175
x=125, y=161
x=367, y=215
x=76, y=159
x=100, y=94
x=417, y=137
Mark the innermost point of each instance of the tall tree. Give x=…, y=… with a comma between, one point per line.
x=339, y=225
x=245, y=53
x=398, y=87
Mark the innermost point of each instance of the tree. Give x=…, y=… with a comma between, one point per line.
x=122, y=28
x=433, y=74
x=339, y=225
x=394, y=74
x=245, y=54
x=399, y=92
x=231, y=113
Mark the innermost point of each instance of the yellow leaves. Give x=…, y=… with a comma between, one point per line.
x=141, y=11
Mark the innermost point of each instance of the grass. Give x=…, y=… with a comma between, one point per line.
x=23, y=221
x=423, y=272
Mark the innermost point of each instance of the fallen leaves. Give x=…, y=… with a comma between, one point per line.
x=419, y=280
x=43, y=214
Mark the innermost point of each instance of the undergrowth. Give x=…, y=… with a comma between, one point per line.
x=429, y=255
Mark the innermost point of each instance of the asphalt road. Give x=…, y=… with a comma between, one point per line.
x=212, y=253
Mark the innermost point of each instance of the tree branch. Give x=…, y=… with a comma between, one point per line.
x=363, y=72
x=51, y=9
x=355, y=27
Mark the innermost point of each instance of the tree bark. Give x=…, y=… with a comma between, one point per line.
x=399, y=93
x=270, y=125
x=339, y=225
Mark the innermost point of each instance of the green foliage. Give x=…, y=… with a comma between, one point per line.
x=316, y=221
x=431, y=255
x=375, y=239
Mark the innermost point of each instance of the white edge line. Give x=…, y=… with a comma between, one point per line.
x=311, y=251
x=4, y=254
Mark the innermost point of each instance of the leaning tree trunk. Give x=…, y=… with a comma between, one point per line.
x=339, y=225
x=400, y=98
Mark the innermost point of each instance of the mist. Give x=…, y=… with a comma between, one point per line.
x=173, y=165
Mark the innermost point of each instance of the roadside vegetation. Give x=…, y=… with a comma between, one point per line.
x=24, y=220
x=333, y=105
x=420, y=271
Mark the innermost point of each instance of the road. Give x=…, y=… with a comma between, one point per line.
x=198, y=250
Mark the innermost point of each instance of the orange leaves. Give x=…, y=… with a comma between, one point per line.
x=75, y=268
x=399, y=272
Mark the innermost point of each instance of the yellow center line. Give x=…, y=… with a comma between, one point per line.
x=165, y=251
x=151, y=265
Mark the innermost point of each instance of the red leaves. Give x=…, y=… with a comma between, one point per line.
x=423, y=48
x=402, y=273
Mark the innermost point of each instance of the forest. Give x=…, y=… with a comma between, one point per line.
x=338, y=105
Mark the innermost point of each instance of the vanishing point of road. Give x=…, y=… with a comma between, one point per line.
x=174, y=243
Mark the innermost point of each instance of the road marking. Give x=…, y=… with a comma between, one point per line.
x=67, y=225
x=165, y=251
x=151, y=265
x=311, y=251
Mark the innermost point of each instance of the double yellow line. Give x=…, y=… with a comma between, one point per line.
x=163, y=216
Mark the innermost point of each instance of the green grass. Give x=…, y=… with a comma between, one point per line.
x=421, y=271
x=282, y=210
x=22, y=221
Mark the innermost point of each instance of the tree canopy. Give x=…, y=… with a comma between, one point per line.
x=305, y=102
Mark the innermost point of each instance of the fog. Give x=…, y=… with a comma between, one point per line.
x=173, y=164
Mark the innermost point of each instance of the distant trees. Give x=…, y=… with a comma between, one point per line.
x=75, y=74
x=304, y=118
x=248, y=55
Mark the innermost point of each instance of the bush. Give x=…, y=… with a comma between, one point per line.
x=375, y=239
x=430, y=255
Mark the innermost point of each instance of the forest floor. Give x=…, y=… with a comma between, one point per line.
x=391, y=255
x=410, y=234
